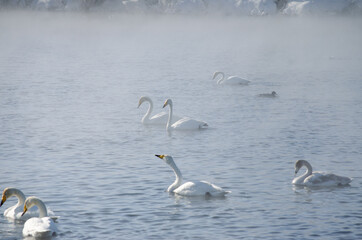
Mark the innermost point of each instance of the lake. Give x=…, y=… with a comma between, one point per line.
x=71, y=132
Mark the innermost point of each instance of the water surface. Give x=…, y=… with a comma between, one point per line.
x=71, y=131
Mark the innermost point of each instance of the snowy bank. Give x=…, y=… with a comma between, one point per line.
x=210, y=7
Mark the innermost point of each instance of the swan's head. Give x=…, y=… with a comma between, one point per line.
x=143, y=99
x=4, y=196
x=7, y=193
x=29, y=203
x=167, y=102
x=274, y=93
x=298, y=165
x=215, y=74
x=168, y=159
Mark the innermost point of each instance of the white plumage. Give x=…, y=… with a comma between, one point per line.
x=157, y=119
x=14, y=212
x=197, y=188
x=318, y=179
x=232, y=80
x=184, y=123
x=38, y=227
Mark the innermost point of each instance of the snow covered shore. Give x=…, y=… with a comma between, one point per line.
x=219, y=7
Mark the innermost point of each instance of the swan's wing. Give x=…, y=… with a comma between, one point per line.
x=39, y=227
x=159, y=118
x=326, y=179
x=162, y=118
x=200, y=188
x=16, y=212
x=189, y=124
x=236, y=80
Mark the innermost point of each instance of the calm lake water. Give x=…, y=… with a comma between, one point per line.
x=71, y=133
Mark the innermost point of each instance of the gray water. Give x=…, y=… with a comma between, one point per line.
x=71, y=132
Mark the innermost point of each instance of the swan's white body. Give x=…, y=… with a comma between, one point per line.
x=14, y=212
x=232, y=80
x=273, y=94
x=184, y=123
x=198, y=188
x=317, y=179
x=158, y=119
x=38, y=227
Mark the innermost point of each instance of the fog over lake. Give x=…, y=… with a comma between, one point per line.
x=71, y=133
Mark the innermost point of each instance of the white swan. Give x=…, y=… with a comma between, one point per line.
x=38, y=227
x=199, y=188
x=273, y=94
x=14, y=212
x=158, y=119
x=320, y=179
x=185, y=123
x=232, y=80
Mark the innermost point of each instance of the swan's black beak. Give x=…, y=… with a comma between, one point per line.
x=160, y=156
x=164, y=105
x=25, y=209
x=2, y=201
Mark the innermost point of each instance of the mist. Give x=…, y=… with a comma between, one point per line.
x=71, y=133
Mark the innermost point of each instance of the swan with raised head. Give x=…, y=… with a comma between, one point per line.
x=273, y=94
x=199, y=188
x=318, y=179
x=184, y=123
x=232, y=80
x=158, y=119
x=38, y=227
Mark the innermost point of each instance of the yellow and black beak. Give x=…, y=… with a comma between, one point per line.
x=139, y=104
x=3, y=200
x=160, y=156
x=25, y=209
x=164, y=105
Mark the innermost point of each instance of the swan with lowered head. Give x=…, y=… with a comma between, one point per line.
x=199, y=188
x=232, y=80
x=158, y=119
x=318, y=179
x=14, y=212
x=184, y=123
x=273, y=94
x=38, y=227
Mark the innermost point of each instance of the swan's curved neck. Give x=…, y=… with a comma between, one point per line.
x=146, y=117
x=221, y=79
x=178, y=180
x=308, y=172
x=19, y=194
x=42, y=208
x=170, y=113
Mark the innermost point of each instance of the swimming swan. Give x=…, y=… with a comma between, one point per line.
x=185, y=123
x=14, y=212
x=38, y=227
x=158, y=119
x=319, y=179
x=273, y=94
x=199, y=188
x=232, y=80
